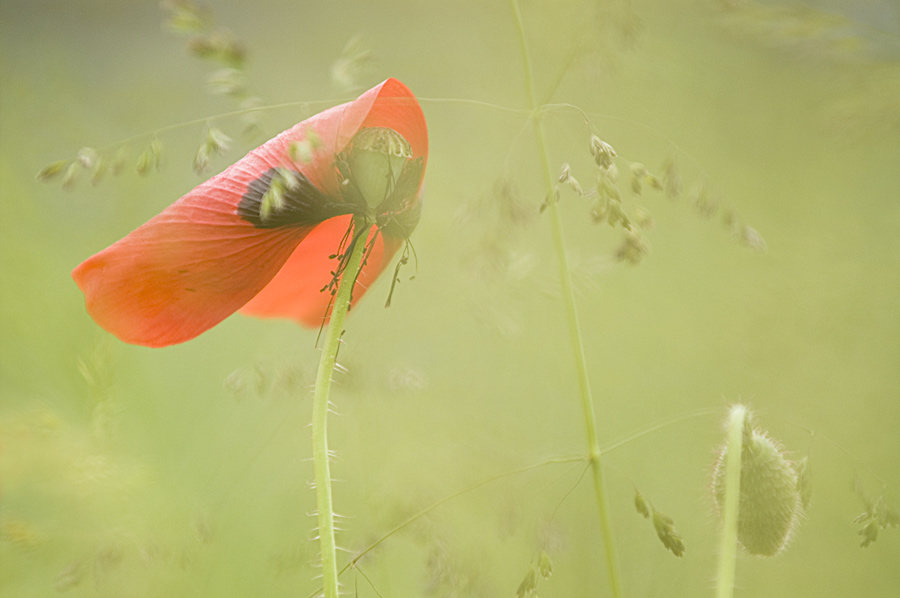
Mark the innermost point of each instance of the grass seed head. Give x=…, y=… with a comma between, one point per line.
x=71, y=176
x=118, y=161
x=144, y=162
x=100, y=168
x=638, y=173
x=544, y=565
x=156, y=153
x=301, y=151
x=665, y=529
x=88, y=157
x=750, y=237
x=672, y=178
x=51, y=171
x=643, y=218
x=529, y=583
x=632, y=249
x=603, y=152
x=641, y=504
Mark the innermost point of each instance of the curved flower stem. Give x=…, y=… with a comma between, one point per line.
x=727, y=548
x=321, y=463
x=587, y=401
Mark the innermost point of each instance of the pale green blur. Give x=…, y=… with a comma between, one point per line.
x=184, y=471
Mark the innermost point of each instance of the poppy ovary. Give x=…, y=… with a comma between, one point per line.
x=374, y=168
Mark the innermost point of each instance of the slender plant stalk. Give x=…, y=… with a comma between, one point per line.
x=731, y=506
x=587, y=401
x=321, y=463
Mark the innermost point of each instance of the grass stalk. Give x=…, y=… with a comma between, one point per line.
x=587, y=401
x=728, y=546
x=324, y=504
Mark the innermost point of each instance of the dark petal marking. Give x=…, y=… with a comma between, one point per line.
x=399, y=214
x=349, y=190
x=405, y=188
x=301, y=203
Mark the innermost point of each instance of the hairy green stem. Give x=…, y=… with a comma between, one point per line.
x=728, y=547
x=324, y=505
x=587, y=401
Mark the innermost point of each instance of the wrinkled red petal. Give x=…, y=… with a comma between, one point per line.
x=389, y=104
x=197, y=262
x=397, y=108
x=184, y=271
x=296, y=291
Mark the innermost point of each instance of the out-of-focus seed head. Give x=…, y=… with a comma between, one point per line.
x=544, y=565
x=603, y=152
x=632, y=249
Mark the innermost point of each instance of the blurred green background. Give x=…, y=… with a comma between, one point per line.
x=184, y=471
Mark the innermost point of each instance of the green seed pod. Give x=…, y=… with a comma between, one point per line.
x=376, y=161
x=770, y=501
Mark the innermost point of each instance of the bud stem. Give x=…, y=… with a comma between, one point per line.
x=730, y=506
x=320, y=414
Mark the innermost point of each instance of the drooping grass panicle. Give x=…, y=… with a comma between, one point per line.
x=350, y=70
x=662, y=523
x=878, y=515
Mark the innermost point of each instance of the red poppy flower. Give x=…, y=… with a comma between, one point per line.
x=262, y=236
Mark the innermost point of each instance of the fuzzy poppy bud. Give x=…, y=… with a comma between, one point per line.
x=770, y=503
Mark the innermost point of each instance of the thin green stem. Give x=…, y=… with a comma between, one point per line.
x=587, y=401
x=321, y=463
x=728, y=546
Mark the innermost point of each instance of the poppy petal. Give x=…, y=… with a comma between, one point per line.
x=296, y=291
x=184, y=271
x=397, y=108
x=204, y=257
